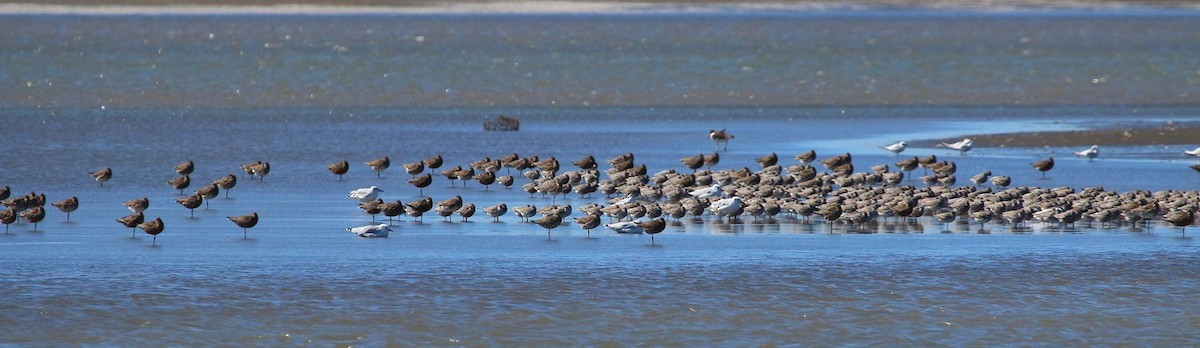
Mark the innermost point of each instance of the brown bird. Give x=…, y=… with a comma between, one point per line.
x=418, y=208
x=378, y=165
x=496, y=211
x=245, y=222
x=693, y=162
x=506, y=181
x=372, y=207
x=434, y=162
x=712, y=160
x=451, y=174
x=5, y=191
x=421, y=182
x=191, y=202
x=392, y=210
x=208, y=192
x=34, y=215
x=180, y=183
x=1044, y=165
x=451, y=203
x=1180, y=218
x=132, y=221
x=466, y=211
x=549, y=222
x=226, y=183
x=486, y=179
x=414, y=168
x=587, y=162
x=185, y=168
x=768, y=160
x=257, y=168
x=807, y=157
x=152, y=228
x=588, y=222
x=720, y=137
x=339, y=168
x=7, y=217
x=653, y=227
x=137, y=205
x=67, y=206
x=100, y=175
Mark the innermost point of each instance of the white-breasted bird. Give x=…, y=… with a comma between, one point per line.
x=365, y=194
x=962, y=146
x=1195, y=153
x=371, y=231
x=726, y=207
x=1090, y=153
x=708, y=192
x=625, y=227
x=897, y=147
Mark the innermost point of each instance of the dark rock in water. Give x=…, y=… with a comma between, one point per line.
x=502, y=123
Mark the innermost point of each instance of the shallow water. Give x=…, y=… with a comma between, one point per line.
x=300, y=278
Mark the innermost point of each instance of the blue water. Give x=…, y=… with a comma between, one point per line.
x=660, y=83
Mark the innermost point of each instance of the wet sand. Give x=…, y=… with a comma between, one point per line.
x=1164, y=133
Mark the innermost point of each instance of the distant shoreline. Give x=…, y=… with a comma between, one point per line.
x=1166, y=133
x=202, y=7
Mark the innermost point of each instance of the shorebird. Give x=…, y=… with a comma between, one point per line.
x=1180, y=218
x=414, y=168
x=451, y=204
x=713, y=191
x=720, y=137
x=378, y=165
x=365, y=194
x=153, y=228
x=549, y=222
x=5, y=191
x=585, y=163
x=962, y=146
x=525, y=212
x=726, y=207
x=418, y=208
x=1001, y=181
x=100, y=175
x=7, y=217
x=896, y=147
x=185, y=168
x=208, y=192
x=1090, y=153
x=132, y=221
x=67, y=206
x=421, y=182
x=693, y=162
x=979, y=179
x=180, y=183
x=486, y=179
x=34, y=215
x=372, y=208
x=712, y=160
x=245, y=222
x=587, y=223
x=768, y=160
x=371, y=231
x=496, y=211
x=392, y=210
x=257, y=168
x=625, y=227
x=466, y=211
x=807, y=157
x=191, y=202
x=138, y=205
x=1194, y=153
x=1043, y=165
x=434, y=162
x=339, y=168
x=226, y=183
x=653, y=227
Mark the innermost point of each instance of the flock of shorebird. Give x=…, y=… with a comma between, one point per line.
x=644, y=201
